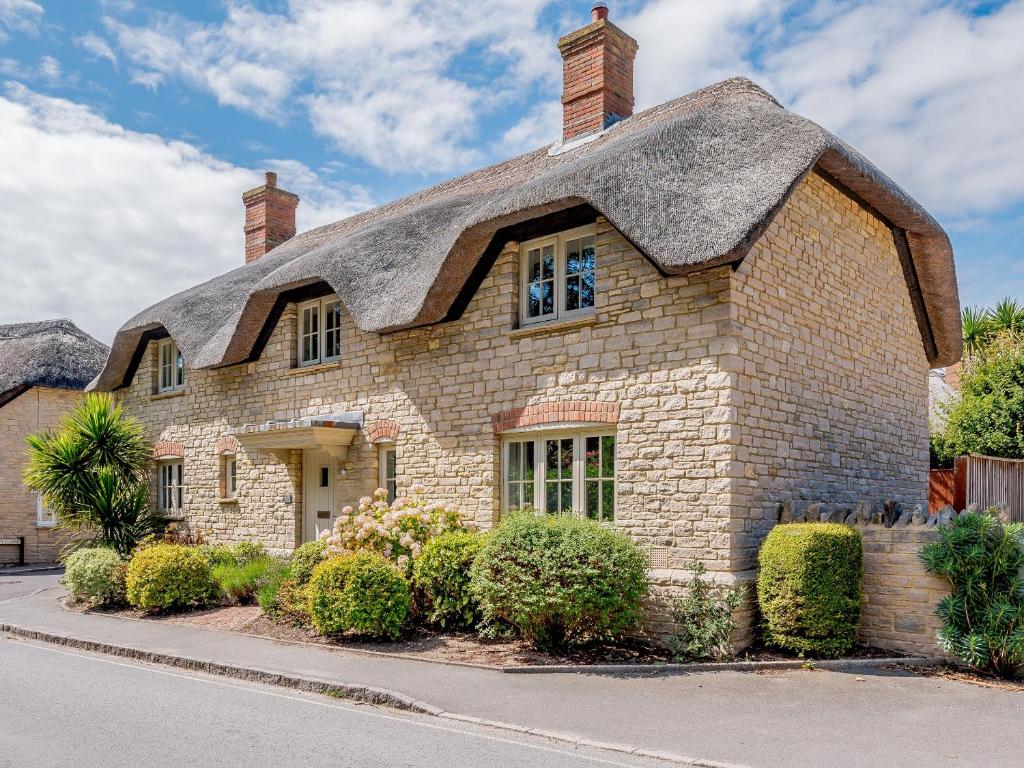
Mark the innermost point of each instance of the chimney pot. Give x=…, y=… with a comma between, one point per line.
x=269, y=217
x=597, y=76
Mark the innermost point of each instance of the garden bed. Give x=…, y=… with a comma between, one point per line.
x=446, y=647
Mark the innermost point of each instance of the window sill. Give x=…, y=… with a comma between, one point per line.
x=554, y=326
x=227, y=501
x=318, y=368
x=167, y=395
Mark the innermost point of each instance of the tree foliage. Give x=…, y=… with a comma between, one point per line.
x=983, y=618
x=92, y=472
x=704, y=619
x=988, y=416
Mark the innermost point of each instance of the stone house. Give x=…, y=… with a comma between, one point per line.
x=43, y=369
x=671, y=322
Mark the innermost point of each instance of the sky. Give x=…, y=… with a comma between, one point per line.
x=130, y=128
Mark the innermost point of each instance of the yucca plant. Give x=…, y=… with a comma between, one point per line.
x=977, y=329
x=1007, y=317
x=93, y=473
x=983, y=618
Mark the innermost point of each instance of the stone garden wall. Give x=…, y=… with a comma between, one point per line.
x=899, y=596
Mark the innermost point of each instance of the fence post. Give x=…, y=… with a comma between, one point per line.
x=960, y=467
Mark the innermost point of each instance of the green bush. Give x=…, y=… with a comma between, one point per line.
x=305, y=558
x=703, y=619
x=268, y=595
x=808, y=587
x=560, y=579
x=441, y=573
x=362, y=592
x=287, y=601
x=240, y=553
x=95, y=575
x=241, y=582
x=983, y=618
x=167, y=576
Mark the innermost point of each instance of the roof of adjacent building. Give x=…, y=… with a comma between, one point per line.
x=691, y=184
x=51, y=353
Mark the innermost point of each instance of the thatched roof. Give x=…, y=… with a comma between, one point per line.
x=691, y=183
x=51, y=353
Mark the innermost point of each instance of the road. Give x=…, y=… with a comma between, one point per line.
x=66, y=708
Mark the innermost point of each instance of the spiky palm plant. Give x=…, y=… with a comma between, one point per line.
x=92, y=472
x=1007, y=317
x=977, y=330
x=983, y=618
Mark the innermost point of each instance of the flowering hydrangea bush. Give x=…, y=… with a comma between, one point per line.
x=397, y=531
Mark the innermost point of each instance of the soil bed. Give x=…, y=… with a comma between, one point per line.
x=457, y=647
x=962, y=675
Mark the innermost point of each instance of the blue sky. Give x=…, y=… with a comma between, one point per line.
x=128, y=131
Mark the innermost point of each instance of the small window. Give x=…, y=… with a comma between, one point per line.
x=319, y=331
x=558, y=276
x=172, y=487
x=172, y=367
x=388, y=470
x=229, y=476
x=561, y=473
x=45, y=518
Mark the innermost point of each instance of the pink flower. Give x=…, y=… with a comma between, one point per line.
x=346, y=510
x=403, y=560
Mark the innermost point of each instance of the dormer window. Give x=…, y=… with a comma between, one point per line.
x=319, y=331
x=172, y=367
x=558, y=276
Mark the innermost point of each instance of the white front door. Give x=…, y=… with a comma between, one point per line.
x=317, y=493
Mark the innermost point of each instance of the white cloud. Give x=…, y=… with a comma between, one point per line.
x=19, y=16
x=378, y=78
x=90, y=235
x=97, y=46
x=540, y=126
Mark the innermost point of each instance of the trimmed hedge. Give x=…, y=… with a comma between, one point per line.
x=96, y=575
x=361, y=592
x=808, y=587
x=560, y=579
x=167, y=576
x=442, y=575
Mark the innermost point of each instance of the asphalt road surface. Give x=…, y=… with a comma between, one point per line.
x=67, y=708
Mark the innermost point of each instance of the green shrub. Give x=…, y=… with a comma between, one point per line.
x=241, y=582
x=808, y=587
x=240, y=553
x=95, y=575
x=362, y=592
x=167, y=576
x=704, y=620
x=305, y=558
x=560, y=579
x=983, y=618
x=268, y=595
x=441, y=573
x=289, y=602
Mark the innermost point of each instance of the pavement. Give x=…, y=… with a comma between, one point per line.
x=854, y=718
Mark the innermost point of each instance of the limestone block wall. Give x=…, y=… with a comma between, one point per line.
x=653, y=349
x=36, y=410
x=831, y=379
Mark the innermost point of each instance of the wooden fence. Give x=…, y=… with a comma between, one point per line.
x=940, y=489
x=990, y=482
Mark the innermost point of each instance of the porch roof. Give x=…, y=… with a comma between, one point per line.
x=333, y=433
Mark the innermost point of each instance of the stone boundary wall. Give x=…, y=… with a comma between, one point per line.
x=899, y=596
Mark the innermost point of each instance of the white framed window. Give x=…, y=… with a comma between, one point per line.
x=172, y=367
x=570, y=472
x=229, y=476
x=558, y=276
x=319, y=331
x=388, y=469
x=45, y=518
x=172, y=487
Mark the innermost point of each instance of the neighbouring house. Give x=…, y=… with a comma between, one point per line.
x=671, y=322
x=43, y=369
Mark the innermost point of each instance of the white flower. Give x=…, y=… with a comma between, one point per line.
x=403, y=560
x=346, y=510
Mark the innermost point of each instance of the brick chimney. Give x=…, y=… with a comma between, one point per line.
x=597, y=76
x=269, y=217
